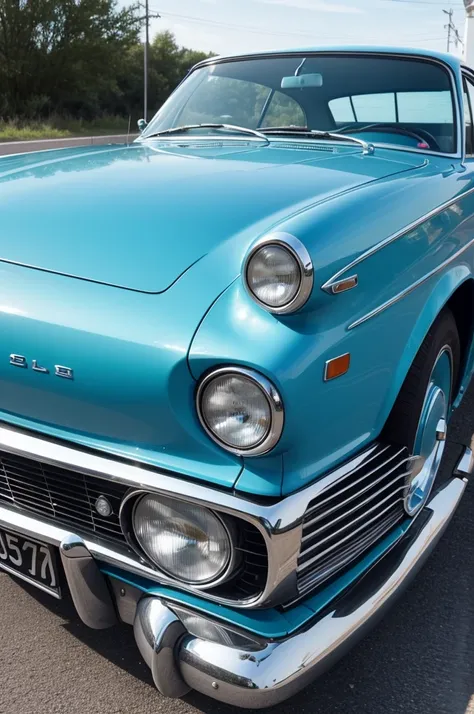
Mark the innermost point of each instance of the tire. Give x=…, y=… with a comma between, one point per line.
x=403, y=421
x=419, y=417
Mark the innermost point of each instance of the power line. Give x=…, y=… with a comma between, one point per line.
x=423, y=2
x=248, y=28
x=233, y=26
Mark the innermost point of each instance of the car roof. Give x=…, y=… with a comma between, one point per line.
x=449, y=59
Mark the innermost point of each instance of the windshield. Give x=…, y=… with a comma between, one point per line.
x=389, y=100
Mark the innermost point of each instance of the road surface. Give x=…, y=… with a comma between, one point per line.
x=20, y=147
x=418, y=660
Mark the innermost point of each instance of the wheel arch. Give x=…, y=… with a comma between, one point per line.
x=452, y=289
x=461, y=304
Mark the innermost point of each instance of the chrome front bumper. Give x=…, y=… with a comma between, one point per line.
x=277, y=669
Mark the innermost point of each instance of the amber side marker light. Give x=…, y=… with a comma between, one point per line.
x=342, y=285
x=337, y=366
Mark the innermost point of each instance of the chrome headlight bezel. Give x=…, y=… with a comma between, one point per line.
x=127, y=520
x=270, y=393
x=298, y=251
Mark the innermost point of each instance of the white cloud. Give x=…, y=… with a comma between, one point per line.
x=317, y=5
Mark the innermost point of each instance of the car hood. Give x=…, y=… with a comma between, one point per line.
x=139, y=216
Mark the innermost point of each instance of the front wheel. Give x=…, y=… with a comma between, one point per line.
x=419, y=417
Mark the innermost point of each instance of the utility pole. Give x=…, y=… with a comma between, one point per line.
x=145, y=59
x=447, y=27
x=451, y=28
x=147, y=17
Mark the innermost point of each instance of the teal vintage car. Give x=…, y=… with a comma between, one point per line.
x=231, y=351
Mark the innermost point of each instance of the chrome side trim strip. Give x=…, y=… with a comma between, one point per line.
x=329, y=284
x=410, y=288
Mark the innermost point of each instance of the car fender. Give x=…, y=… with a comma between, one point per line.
x=439, y=296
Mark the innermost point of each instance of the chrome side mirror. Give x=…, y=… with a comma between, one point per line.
x=142, y=125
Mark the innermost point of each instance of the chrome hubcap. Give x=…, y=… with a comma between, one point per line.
x=431, y=434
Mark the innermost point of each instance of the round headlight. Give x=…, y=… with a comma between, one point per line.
x=273, y=275
x=279, y=273
x=186, y=541
x=241, y=410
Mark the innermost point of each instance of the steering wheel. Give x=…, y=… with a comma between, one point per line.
x=421, y=135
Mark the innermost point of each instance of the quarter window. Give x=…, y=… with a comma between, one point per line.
x=283, y=111
x=468, y=101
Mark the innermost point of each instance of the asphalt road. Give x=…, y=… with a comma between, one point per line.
x=20, y=147
x=419, y=659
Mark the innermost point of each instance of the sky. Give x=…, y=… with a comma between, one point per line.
x=228, y=26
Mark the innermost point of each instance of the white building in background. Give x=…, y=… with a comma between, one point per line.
x=469, y=33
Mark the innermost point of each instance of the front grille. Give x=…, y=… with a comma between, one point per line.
x=351, y=515
x=55, y=492
x=69, y=497
x=253, y=574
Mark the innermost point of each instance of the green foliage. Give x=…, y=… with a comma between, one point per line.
x=81, y=59
x=61, y=127
x=12, y=131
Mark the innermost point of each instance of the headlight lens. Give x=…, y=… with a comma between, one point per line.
x=273, y=275
x=241, y=410
x=278, y=273
x=188, y=542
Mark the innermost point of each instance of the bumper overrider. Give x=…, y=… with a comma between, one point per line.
x=188, y=648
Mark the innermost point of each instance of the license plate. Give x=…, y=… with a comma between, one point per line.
x=29, y=560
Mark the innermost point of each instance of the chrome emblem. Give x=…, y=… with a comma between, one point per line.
x=59, y=369
x=103, y=507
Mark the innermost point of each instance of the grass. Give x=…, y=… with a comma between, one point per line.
x=62, y=128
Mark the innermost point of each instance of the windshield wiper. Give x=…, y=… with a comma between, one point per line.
x=190, y=127
x=367, y=148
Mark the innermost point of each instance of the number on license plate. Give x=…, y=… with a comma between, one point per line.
x=28, y=558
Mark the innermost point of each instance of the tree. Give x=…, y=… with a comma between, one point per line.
x=62, y=55
x=82, y=58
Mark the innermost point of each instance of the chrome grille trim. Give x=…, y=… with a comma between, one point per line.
x=330, y=566
x=357, y=530
x=341, y=516
x=351, y=514
x=280, y=524
x=366, y=488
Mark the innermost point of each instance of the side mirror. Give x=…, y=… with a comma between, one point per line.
x=142, y=125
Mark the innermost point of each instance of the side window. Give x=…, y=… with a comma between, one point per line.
x=284, y=111
x=372, y=108
x=342, y=111
x=468, y=101
x=425, y=107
